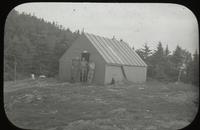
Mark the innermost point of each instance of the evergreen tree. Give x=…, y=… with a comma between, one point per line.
x=177, y=57
x=146, y=51
x=167, y=52
x=158, y=62
x=159, y=53
x=177, y=60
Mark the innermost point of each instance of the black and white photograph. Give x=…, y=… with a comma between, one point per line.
x=101, y=66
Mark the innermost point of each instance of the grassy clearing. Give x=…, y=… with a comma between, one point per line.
x=49, y=104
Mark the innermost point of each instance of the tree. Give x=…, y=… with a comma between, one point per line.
x=166, y=52
x=158, y=63
x=159, y=53
x=144, y=52
x=177, y=59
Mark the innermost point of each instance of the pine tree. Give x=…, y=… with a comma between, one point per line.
x=180, y=62
x=167, y=52
x=159, y=53
x=177, y=57
x=146, y=51
x=158, y=63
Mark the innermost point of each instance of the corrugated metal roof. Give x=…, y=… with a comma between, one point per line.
x=115, y=52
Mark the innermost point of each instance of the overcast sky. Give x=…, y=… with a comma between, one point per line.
x=136, y=24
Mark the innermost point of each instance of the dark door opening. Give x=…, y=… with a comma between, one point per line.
x=85, y=58
x=85, y=55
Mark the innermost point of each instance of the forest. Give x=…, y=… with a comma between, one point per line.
x=33, y=45
x=166, y=66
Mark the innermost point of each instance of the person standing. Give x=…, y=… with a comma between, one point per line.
x=91, y=68
x=83, y=70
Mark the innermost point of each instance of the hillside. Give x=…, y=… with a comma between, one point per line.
x=34, y=44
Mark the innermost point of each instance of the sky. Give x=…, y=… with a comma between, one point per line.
x=135, y=23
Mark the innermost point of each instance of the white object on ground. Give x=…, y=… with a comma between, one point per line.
x=32, y=76
x=42, y=76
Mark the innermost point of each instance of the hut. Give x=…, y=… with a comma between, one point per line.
x=114, y=60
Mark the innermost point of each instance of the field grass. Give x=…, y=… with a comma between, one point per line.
x=49, y=104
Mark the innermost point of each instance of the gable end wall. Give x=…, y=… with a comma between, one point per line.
x=79, y=45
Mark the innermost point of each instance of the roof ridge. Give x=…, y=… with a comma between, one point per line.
x=104, y=37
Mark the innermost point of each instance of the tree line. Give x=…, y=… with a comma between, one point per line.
x=33, y=45
x=166, y=66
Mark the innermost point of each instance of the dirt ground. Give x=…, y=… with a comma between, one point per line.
x=52, y=105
